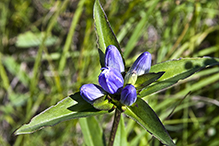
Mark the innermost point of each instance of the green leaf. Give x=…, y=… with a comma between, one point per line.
x=30, y=39
x=104, y=31
x=92, y=132
x=103, y=104
x=142, y=113
x=69, y=108
x=120, y=138
x=176, y=70
x=147, y=79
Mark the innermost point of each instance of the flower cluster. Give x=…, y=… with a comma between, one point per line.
x=111, y=80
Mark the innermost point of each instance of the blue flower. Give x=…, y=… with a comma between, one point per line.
x=111, y=80
x=91, y=92
x=142, y=64
x=113, y=59
x=128, y=95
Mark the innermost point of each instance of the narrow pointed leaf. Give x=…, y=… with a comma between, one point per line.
x=176, y=70
x=147, y=79
x=104, y=31
x=142, y=113
x=101, y=58
x=92, y=132
x=69, y=108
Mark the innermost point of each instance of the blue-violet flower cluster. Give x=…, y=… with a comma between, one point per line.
x=111, y=80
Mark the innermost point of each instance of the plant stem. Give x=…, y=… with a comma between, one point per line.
x=115, y=126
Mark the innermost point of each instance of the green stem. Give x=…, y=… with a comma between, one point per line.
x=115, y=126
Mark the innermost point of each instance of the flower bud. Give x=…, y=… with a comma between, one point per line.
x=111, y=80
x=113, y=58
x=142, y=64
x=91, y=92
x=128, y=95
x=130, y=78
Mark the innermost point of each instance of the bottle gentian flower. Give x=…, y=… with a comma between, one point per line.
x=91, y=92
x=142, y=64
x=113, y=59
x=111, y=80
x=128, y=95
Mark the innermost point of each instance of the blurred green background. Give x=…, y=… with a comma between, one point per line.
x=48, y=49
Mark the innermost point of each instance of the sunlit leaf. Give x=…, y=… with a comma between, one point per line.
x=104, y=31
x=176, y=70
x=69, y=108
x=92, y=132
x=102, y=104
x=142, y=113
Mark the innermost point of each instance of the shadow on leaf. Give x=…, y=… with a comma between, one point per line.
x=82, y=105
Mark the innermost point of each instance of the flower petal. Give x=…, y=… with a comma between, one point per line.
x=111, y=80
x=142, y=64
x=113, y=58
x=91, y=92
x=128, y=95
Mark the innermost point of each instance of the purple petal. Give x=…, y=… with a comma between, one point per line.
x=128, y=95
x=111, y=80
x=91, y=92
x=142, y=64
x=113, y=58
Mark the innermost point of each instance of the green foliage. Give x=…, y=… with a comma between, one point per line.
x=168, y=30
x=105, y=35
x=93, y=133
x=102, y=104
x=176, y=70
x=104, y=31
x=69, y=108
x=146, y=79
x=146, y=117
